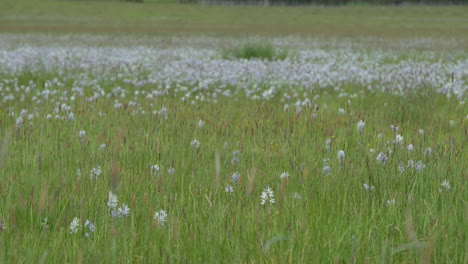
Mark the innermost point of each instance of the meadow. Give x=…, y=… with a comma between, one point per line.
x=207, y=147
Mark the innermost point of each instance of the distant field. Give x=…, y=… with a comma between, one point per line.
x=151, y=18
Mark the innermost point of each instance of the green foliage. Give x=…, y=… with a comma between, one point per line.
x=256, y=50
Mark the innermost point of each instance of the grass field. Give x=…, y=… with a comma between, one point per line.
x=167, y=145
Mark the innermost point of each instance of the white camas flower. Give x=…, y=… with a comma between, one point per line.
x=398, y=139
x=340, y=156
x=382, y=158
x=328, y=144
x=235, y=177
x=284, y=175
x=446, y=185
x=195, y=143
x=160, y=217
x=154, y=170
x=112, y=201
x=368, y=187
x=410, y=147
x=267, y=196
x=74, y=225
x=391, y=202
x=341, y=111
x=201, y=123
x=229, y=189
x=360, y=126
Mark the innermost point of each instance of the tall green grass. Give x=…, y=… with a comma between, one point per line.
x=336, y=219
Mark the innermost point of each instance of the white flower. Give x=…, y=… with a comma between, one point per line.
x=446, y=185
x=297, y=196
x=452, y=123
x=112, y=201
x=326, y=169
x=82, y=133
x=398, y=139
x=410, y=147
x=360, y=126
x=382, y=158
x=75, y=224
x=391, y=202
x=267, y=196
x=284, y=175
x=201, y=124
x=420, y=166
x=195, y=143
x=171, y=171
x=428, y=151
x=328, y=144
x=340, y=156
x=371, y=151
x=154, y=170
x=229, y=189
x=368, y=188
x=421, y=132
x=160, y=217
x=95, y=172
x=102, y=147
x=341, y=111
x=124, y=210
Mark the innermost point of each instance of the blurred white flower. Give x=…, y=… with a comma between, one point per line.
x=284, y=175
x=391, y=202
x=201, y=124
x=360, y=126
x=74, y=225
x=154, y=170
x=410, y=147
x=446, y=185
x=267, y=196
x=340, y=156
x=229, y=189
x=398, y=139
x=382, y=158
x=195, y=143
x=368, y=188
x=160, y=217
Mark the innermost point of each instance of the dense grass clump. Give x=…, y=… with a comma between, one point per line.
x=256, y=50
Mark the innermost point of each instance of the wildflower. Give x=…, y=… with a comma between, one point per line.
x=45, y=224
x=19, y=122
x=195, y=143
x=2, y=226
x=154, y=170
x=420, y=166
x=380, y=135
x=78, y=173
x=284, y=175
x=360, y=126
x=341, y=111
x=452, y=123
x=82, y=133
x=160, y=217
x=297, y=196
x=102, y=147
x=123, y=210
x=421, y=131
x=112, y=201
x=90, y=226
x=171, y=171
x=328, y=144
x=398, y=139
x=229, y=189
x=326, y=169
x=267, y=196
x=235, y=177
x=368, y=188
x=371, y=151
x=382, y=158
x=74, y=225
x=391, y=202
x=201, y=124
x=428, y=151
x=340, y=156
x=446, y=185
x=394, y=128
x=95, y=172
x=401, y=167
x=410, y=147
x=235, y=158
